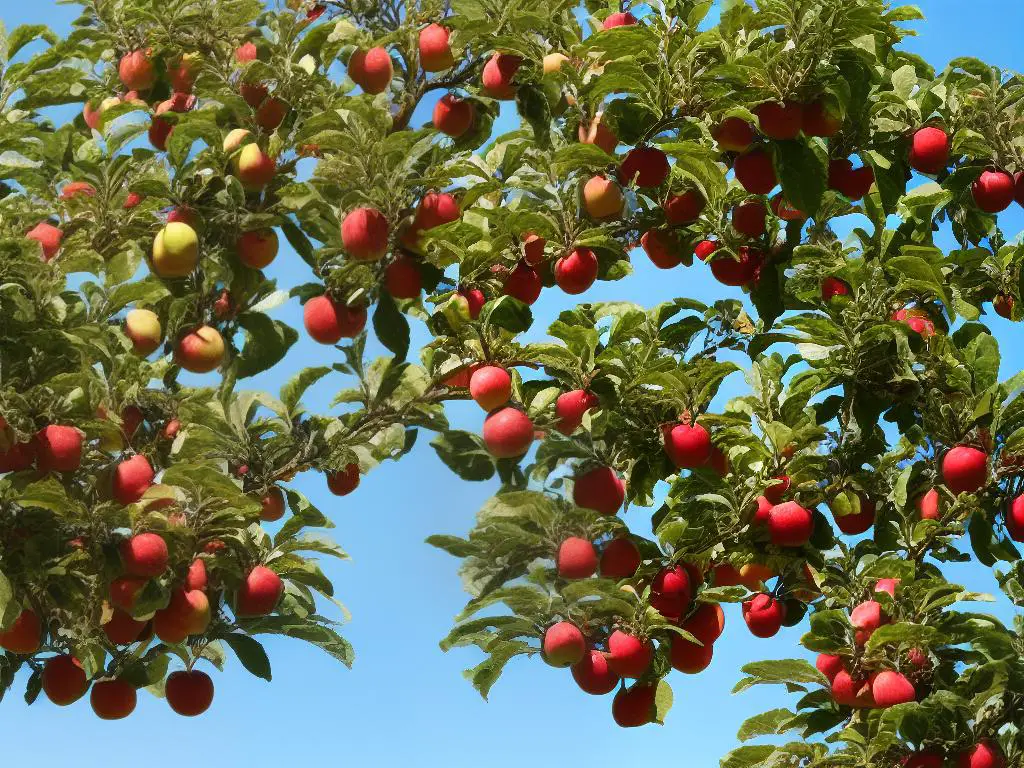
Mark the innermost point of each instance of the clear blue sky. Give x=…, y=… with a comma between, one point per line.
x=405, y=702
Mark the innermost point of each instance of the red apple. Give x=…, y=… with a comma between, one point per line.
x=820, y=119
x=577, y=271
x=271, y=506
x=474, y=299
x=734, y=134
x=64, y=680
x=965, y=469
x=25, y=635
x=684, y=208
x=58, y=448
x=602, y=198
x=189, y=693
x=739, y=271
x=633, y=707
x=647, y=166
x=764, y=615
x=570, y=407
x=689, y=657
x=490, y=386
x=929, y=150
x=435, y=50
x=533, y=249
x=829, y=665
x=993, y=191
x=364, y=234
x=254, y=168
x=508, y=433
x=402, y=278
x=328, y=321
x=136, y=71
x=672, y=592
x=619, y=19
x=523, y=283
x=600, y=489
x=706, y=623
x=498, y=74
x=259, y=594
x=661, y=248
x=453, y=116
x=123, y=628
x=371, y=70
x=619, y=559
x=889, y=688
x=343, y=481
x=596, y=132
x=985, y=754
x=258, y=248
x=593, y=675
x=688, y=446
x=832, y=287
x=780, y=121
x=748, y=218
x=132, y=478
x=144, y=555
x=755, y=171
x=629, y=656
x=48, y=237
x=200, y=350
x=850, y=692
x=563, y=644
x=576, y=558
x=866, y=618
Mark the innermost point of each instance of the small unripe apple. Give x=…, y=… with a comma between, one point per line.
x=112, y=699
x=523, y=283
x=600, y=489
x=602, y=198
x=993, y=191
x=490, y=386
x=576, y=272
x=596, y=132
x=633, y=707
x=343, y=481
x=258, y=248
x=453, y=116
x=189, y=693
x=563, y=644
x=272, y=505
x=175, y=251
x=734, y=134
x=371, y=70
x=200, y=350
x=748, y=218
x=235, y=139
x=328, y=320
x=58, y=448
x=688, y=446
x=254, y=168
x=63, y=680
x=684, y=208
x=435, y=50
x=364, y=234
x=763, y=615
x=929, y=150
x=259, y=593
x=142, y=326
x=570, y=407
x=498, y=74
x=136, y=71
x=646, y=166
x=593, y=675
x=508, y=433
x=144, y=555
x=48, y=236
x=780, y=121
x=755, y=171
x=619, y=559
x=790, y=525
x=25, y=635
x=965, y=469
x=132, y=478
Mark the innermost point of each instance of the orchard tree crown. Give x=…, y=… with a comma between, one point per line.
x=139, y=507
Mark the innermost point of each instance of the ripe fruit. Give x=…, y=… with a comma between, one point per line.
x=328, y=321
x=985, y=754
x=755, y=171
x=927, y=759
x=235, y=139
x=182, y=74
x=371, y=70
x=1015, y=519
x=704, y=249
x=598, y=134
x=866, y=618
x=75, y=188
x=402, y=278
x=688, y=446
x=661, y=248
x=570, y=407
x=435, y=51
x=189, y=693
x=820, y=120
x=600, y=489
x=916, y=320
x=832, y=287
x=123, y=629
x=132, y=200
x=577, y=271
x=706, y=623
x=58, y=448
x=619, y=19
x=734, y=134
x=593, y=675
x=48, y=236
x=474, y=299
x=684, y=207
x=739, y=271
x=497, y=76
x=195, y=578
x=453, y=116
x=246, y=52
x=777, y=490
x=259, y=593
x=563, y=644
x=619, y=559
x=490, y=386
x=858, y=523
x=253, y=94
x=993, y=191
x=851, y=182
x=24, y=636
x=183, y=215
x=254, y=168
x=748, y=218
x=508, y=433
x=780, y=121
x=124, y=590
x=672, y=592
x=965, y=469
x=647, y=166
x=136, y=71
x=629, y=656
x=688, y=657
x=576, y=559
x=829, y=665
x=144, y=555
x=175, y=250
x=850, y=692
x=633, y=707
x=552, y=62
x=200, y=350
x=785, y=210
x=602, y=198
x=64, y=680
x=271, y=506
x=112, y=699
x=1003, y=305
x=928, y=505
x=533, y=249
x=364, y=233
x=929, y=150
x=523, y=283
x=187, y=613
x=764, y=615
x=160, y=129
x=342, y=482
x=436, y=209
x=889, y=688
x=754, y=575
x=132, y=477
x=271, y=113
x=258, y=248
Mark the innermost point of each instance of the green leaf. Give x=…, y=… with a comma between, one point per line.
x=266, y=343
x=464, y=454
x=250, y=652
x=391, y=327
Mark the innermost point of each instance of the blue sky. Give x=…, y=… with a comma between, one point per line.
x=405, y=702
